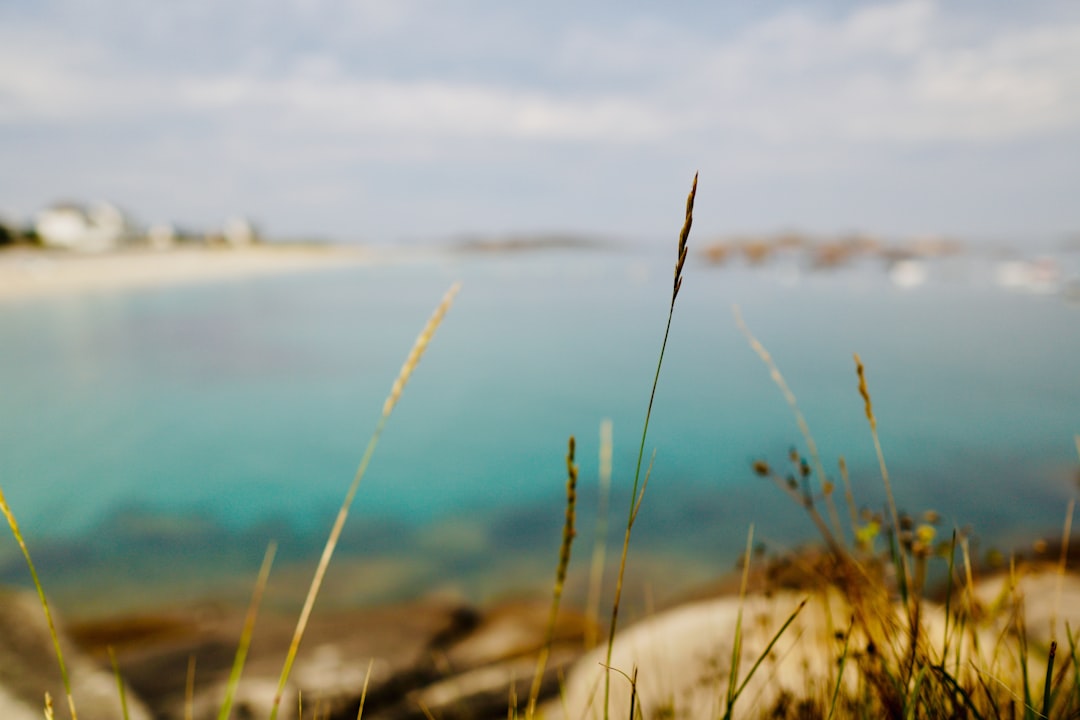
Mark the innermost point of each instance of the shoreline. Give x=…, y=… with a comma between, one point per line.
x=30, y=274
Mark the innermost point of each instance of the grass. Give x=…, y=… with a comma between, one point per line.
x=888, y=659
x=908, y=673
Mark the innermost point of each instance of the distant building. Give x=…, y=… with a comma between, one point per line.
x=97, y=228
x=161, y=236
x=239, y=232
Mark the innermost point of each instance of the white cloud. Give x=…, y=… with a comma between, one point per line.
x=886, y=72
x=890, y=73
x=435, y=109
x=220, y=95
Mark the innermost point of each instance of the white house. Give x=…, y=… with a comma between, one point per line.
x=97, y=228
x=239, y=232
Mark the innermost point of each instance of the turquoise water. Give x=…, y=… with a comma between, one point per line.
x=156, y=427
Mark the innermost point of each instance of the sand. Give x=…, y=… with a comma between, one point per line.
x=27, y=273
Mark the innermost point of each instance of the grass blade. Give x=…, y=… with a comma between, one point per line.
x=1049, y=686
x=247, y=632
x=402, y=379
x=596, y=568
x=736, y=645
x=119, y=684
x=14, y=525
x=680, y=262
x=363, y=691
x=560, y=578
x=840, y=669
x=765, y=654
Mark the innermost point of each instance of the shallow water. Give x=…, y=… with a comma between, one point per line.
x=165, y=435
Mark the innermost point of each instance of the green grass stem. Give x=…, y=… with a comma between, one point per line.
x=119, y=684
x=14, y=525
x=680, y=262
x=840, y=669
x=1048, y=686
x=761, y=658
x=247, y=632
x=736, y=643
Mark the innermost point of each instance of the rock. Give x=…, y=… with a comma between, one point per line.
x=497, y=660
x=1046, y=600
x=683, y=656
x=449, y=658
x=683, y=660
x=398, y=642
x=29, y=668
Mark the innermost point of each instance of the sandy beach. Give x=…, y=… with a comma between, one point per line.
x=26, y=273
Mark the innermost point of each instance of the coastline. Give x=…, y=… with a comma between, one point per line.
x=26, y=274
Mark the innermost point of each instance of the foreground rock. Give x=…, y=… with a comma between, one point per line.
x=29, y=668
x=683, y=656
x=435, y=656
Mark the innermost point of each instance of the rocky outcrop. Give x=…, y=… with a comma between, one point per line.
x=454, y=661
x=433, y=656
x=29, y=668
x=683, y=656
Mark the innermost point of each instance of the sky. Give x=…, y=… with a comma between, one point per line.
x=389, y=120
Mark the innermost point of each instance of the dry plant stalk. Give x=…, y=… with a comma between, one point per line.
x=596, y=568
x=248, y=631
x=418, y=349
x=560, y=578
x=830, y=536
x=684, y=235
x=860, y=370
x=402, y=379
x=1063, y=562
x=635, y=498
x=363, y=691
x=849, y=496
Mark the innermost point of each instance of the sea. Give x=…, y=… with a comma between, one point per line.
x=155, y=442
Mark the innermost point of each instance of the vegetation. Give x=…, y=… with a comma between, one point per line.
x=888, y=658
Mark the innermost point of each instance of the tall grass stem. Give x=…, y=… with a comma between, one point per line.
x=599, y=554
x=800, y=419
x=680, y=263
x=119, y=684
x=864, y=391
x=402, y=379
x=560, y=578
x=14, y=525
x=248, y=631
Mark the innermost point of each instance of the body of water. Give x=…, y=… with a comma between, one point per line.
x=166, y=435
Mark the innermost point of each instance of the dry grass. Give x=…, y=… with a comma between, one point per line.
x=965, y=662
x=418, y=348
x=560, y=577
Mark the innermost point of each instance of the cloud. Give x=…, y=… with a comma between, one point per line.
x=885, y=72
x=330, y=101
x=894, y=72
x=238, y=101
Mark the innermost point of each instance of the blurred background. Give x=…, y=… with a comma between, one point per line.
x=394, y=120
